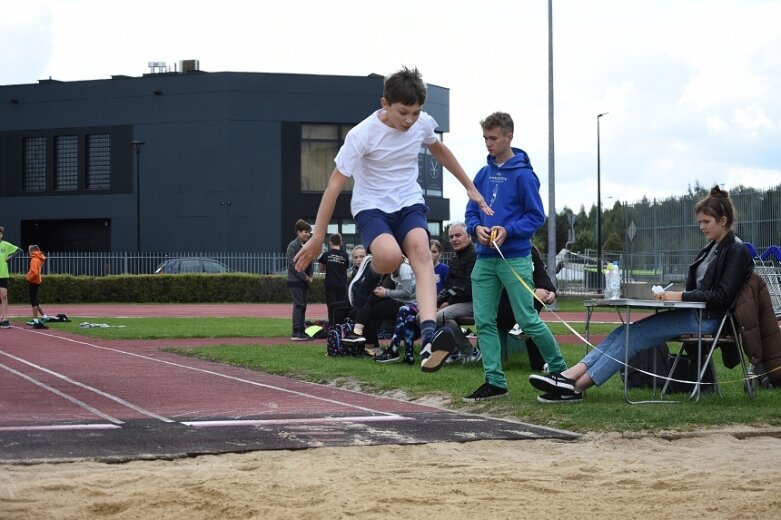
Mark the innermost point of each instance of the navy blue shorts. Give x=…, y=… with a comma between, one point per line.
x=3, y=283
x=374, y=222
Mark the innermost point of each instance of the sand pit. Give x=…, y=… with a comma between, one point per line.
x=713, y=475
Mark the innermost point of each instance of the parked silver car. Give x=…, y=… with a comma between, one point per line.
x=192, y=265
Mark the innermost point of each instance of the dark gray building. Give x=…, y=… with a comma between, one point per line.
x=229, y=160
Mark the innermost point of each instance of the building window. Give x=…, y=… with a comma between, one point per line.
x=66, y=163
x=99, y=162
x=435, y=229
x=319, y=146
x=34, y=149
x=429, y=172
x=321, y=143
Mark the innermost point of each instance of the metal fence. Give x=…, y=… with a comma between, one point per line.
x=110, y=263
x=664, y=236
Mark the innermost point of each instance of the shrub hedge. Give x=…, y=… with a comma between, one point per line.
x=165, y=288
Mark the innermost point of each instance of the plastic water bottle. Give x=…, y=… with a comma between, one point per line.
x=613, y=281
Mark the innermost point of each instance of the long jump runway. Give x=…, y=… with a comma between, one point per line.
x=64, y=397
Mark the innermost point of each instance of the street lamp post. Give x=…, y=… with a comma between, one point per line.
x=599, y=209
x=137, y=145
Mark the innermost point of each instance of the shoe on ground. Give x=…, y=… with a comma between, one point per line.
x=372, y=351
x=554, y=382
x=408, y=360
x=39, y=325
x=389, y=356
x=442, y=345
x=5, y=324
x=362, y=285
x=556, y=398
x=485, y=392
x=475, y=356
x=300, y=336
x=516, y=332
x=354, y=339
x=455, y=357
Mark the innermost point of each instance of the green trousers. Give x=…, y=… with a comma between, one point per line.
x=488, y=277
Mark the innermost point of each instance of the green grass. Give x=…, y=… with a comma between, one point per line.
x=604, y=408
x=159, y=328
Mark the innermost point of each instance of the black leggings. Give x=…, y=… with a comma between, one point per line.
x=373, y=314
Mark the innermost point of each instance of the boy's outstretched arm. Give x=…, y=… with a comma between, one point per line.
x=442, y=153
x=311, y=249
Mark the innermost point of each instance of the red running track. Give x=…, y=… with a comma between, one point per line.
x=66, y=397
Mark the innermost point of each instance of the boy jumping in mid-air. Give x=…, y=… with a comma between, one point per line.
x=381, y=155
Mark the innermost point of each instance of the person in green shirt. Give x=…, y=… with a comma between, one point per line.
x=7, y=252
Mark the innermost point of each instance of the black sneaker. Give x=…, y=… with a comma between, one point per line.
x=354, y=339
x=362, y=284
x=554, y=382
x=442, y=345
x=556, y=398
x=408, y=360
x=300, y=336
x=39, y=325
x=486, y=391
x=5, y=324
x=390, y=355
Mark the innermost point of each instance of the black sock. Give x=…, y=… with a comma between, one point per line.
x=427, y=331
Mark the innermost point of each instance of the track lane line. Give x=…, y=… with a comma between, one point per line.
x=218, y=374
x=65, y=396
x=114, y=398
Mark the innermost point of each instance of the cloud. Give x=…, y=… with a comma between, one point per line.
x=690, y=86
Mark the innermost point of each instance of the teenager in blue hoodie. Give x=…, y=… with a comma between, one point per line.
x=512, y=190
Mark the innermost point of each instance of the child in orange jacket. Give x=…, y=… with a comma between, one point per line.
x=34, y=280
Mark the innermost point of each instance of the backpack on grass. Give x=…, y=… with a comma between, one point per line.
x=645, y=361
x=334, y=344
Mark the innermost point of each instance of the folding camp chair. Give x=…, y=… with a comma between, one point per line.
x=726, y=337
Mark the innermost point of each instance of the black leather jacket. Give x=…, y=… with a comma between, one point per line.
x=458, y=288
x=724, y=277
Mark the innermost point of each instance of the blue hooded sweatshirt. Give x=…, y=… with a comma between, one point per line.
x=513, y=192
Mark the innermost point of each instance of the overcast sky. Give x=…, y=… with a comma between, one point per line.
x=691, y=86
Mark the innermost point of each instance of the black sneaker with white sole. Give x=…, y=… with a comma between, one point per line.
x=440, y=348
x=354, y=339
x=554, y=382
x=390, y=355
x=486, y=391
x=557, y=398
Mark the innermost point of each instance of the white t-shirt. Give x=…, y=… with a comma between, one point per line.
x=383, y=162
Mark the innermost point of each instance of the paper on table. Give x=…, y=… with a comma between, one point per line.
x=659, y=289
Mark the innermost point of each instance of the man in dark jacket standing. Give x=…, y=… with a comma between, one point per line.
x=455, y=302
x=298, y=282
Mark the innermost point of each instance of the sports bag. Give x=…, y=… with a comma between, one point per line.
x=334, y=344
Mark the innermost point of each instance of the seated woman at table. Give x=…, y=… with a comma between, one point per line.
x=715, y=277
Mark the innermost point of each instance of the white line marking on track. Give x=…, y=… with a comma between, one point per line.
x=87, y=387
x=218, y=374
x=53, y=390
x=263, y=422
x=53, y=427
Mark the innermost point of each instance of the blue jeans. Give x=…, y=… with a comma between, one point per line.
x=608, y=357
